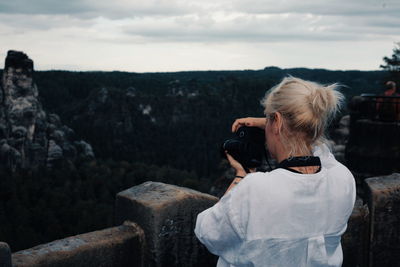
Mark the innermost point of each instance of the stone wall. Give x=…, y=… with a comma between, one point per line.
x=118, y=246
x=354, y=240
x=384, y=204
x=157, y=222
x=5, y=255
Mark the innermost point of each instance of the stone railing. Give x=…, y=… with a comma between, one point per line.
x=377, y=107
x=373, y=147
x=118, y=246
x=156, y=221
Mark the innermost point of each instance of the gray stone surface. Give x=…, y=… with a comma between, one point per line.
x=341, y=133
x=54, y=153
x=167, y=214
x=355, y=239
x=383, y=195
x=84, y=149
x=5, y=255
x=117, y=246
x=30, y=138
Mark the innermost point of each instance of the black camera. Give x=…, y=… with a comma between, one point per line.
x=247, y=147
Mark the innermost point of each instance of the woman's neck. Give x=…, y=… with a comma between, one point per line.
x=284, y=154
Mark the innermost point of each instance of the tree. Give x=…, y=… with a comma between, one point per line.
x=392, y=64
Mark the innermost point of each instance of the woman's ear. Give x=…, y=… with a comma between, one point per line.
x=278, y=122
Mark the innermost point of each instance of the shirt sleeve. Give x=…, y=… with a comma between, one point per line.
x=219, y=227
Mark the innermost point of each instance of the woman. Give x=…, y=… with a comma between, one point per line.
x=295, y=214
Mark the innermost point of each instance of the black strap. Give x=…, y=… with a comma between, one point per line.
x=300, y=162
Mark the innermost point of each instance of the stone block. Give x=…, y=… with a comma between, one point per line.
x=5, y=255
x=383, y=195
x=373, y=147
x=118, y=246
x=355, y=239
x=167, y=214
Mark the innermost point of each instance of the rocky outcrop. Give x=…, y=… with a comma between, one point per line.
x=341, y=133
x=340, y=136
x=29, y=137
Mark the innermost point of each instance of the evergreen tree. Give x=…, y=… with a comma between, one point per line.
x=392, y=64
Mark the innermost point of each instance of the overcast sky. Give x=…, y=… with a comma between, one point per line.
x=174, y=35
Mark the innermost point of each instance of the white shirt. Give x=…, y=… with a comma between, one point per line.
x=282, y=218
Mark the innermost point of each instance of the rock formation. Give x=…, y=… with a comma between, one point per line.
x=340, y=137
x=29, y=137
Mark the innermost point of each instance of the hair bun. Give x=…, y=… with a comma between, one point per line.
x=307, y=108
x=326, y=101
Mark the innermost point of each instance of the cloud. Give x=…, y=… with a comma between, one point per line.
x=316, y=7
x=86, y=24
x=91, y=8
x=44, y=7
x=22, y=22
x=208, y=21
x=220, y=27
x=120, y=9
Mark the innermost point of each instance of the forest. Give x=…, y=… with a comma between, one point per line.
x=175, y=119
x=165, y=127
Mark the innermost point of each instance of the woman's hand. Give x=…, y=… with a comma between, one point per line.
x=240, y=172
x=236, y=165
x=250, y=122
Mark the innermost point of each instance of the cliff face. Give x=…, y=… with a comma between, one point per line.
x=29, y=137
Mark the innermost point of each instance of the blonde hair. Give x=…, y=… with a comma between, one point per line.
x=306, y=108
